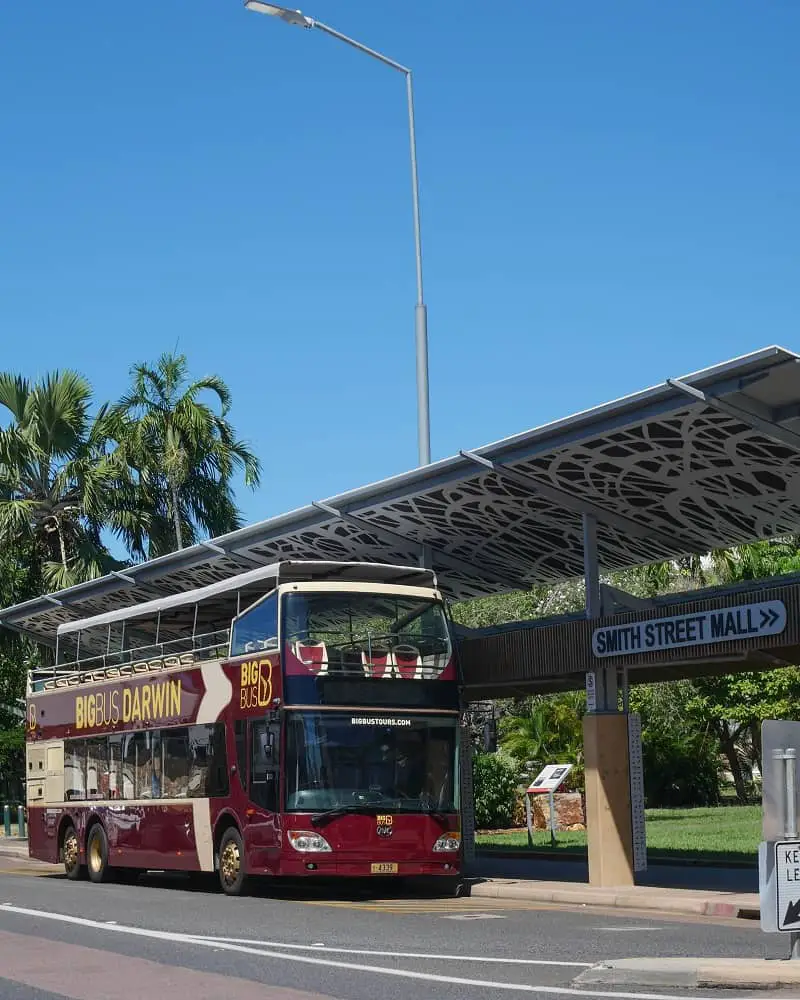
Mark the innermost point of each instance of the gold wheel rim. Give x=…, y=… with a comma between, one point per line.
x=95, y=855
x=230, y=863
x=71, y=851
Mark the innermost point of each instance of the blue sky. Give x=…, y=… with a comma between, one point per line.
x=609, y=197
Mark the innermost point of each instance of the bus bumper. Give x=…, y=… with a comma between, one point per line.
x=310, y=866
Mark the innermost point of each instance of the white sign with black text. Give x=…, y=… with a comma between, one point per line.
x=591, y=691
x=549, y=778
x=745, y=621
x=787, y=879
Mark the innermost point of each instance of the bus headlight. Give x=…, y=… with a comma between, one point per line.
x=308, y=843
x=448, y=842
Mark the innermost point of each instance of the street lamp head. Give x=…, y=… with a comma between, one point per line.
x=284, y=13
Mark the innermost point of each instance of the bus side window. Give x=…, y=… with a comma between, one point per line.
x=256, y=629
x=263, y=766
x=75, y=770
x=240, y=734
x=208, y=772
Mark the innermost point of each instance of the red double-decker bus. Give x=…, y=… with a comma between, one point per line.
x=298, y=719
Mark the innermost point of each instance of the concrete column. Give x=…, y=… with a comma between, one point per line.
x=605, y=746
x=608, y=799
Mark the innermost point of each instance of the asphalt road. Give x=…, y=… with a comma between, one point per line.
x=165, y=937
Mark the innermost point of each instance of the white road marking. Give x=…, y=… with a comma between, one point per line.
x=393, y=954
x=627, y=930
x=475, y=916
x=378, y=970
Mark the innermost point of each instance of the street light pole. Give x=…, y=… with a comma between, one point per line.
x=296, y=17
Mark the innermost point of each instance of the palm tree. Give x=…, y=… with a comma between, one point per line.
x=546, y=729
x=59, y=485
x=185, y=453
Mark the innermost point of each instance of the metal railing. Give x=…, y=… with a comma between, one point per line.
x=184, y=651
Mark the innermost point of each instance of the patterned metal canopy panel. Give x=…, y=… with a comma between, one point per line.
x=705, y=461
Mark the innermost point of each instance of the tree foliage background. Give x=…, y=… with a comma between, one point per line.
x=148, y=474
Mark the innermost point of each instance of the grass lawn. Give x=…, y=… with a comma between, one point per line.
x=725, y=833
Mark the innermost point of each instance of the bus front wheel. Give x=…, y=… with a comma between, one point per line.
x=97, y=854
x=71, y=855
x=231, y=862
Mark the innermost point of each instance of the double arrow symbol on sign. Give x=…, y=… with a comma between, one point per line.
x=768, y=617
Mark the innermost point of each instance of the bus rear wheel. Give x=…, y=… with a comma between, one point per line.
x=97, y=854
x=71, y=855
x=231, y=862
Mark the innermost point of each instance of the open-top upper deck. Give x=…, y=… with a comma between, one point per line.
x=195, y=626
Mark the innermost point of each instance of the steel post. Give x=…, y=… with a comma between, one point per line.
x=529, y=818
x=421, y=314
x=790, y=772
x=591, y=569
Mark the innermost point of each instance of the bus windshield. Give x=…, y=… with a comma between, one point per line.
x=349, y=629
x=403, y=763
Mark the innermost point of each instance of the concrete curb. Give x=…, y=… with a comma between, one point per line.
x=693, y=973
x=665, y=901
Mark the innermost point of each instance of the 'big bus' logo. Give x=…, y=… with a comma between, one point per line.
x=256, y=684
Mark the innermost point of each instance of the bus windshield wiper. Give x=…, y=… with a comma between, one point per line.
x=357, y=810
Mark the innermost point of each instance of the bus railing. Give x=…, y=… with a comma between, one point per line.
x=184, y=651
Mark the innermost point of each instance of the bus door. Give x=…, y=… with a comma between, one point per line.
x=262, y=827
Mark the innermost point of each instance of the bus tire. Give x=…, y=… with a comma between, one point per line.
x=71, y=855
x=97, y=854
x=231, y=862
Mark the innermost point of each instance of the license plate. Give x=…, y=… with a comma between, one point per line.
x=384, y=868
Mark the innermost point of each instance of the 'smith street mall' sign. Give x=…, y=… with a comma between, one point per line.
x=745, y=621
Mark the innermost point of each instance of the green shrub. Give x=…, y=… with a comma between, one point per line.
x=495, y=786
x=680, y=770
x=679, y=751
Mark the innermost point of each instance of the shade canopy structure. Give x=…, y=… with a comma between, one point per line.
x=704, y=461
